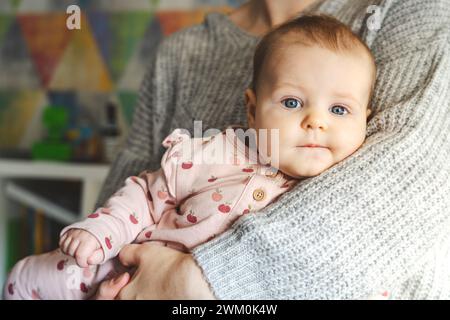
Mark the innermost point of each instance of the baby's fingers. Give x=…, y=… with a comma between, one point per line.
x=73, y=246
x=97, y=257
x=62, y=239
x=84, y=250
x=66, y=244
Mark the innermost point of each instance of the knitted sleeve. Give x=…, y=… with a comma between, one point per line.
x=369, y=221
x=151, y=122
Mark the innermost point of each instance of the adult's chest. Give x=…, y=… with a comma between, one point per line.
x=212, y=91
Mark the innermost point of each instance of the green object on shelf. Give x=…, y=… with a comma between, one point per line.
x=55, y=117
x=56, y=120
x=56, y=151
x=53, y=147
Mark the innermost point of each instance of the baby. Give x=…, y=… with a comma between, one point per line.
x=312, y=83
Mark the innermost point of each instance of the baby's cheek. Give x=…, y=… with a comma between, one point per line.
x=347, y=142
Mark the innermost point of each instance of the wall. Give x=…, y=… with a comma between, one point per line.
x=42, y=62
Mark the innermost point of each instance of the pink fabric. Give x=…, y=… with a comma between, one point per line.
x=187, y=202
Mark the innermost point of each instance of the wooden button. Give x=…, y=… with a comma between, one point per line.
x=259, y=194
x=271, y=173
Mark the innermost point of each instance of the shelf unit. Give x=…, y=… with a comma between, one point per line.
x=91, y=177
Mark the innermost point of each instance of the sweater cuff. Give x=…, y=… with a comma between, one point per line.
x=225, y=262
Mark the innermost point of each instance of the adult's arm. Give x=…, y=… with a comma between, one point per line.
x=368, y=222
x=151, y=123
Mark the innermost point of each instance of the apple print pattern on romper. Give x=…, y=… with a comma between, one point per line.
x=182, y=205
x=209, y=195
x=186, y=214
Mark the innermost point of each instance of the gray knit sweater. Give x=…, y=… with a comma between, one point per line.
x=379, y=220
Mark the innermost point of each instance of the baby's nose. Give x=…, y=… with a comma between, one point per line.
x=314, y=120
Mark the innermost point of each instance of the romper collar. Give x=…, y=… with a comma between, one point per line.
x=237, y=141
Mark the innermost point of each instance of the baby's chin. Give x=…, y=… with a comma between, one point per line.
x=303, y=164
x=304, y=171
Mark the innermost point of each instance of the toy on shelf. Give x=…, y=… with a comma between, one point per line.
x=79, y=141
x=110, y=132
x=85, y=143
x=54, y=146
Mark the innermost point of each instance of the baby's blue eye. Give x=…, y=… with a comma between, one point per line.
x=291, y=103
x=339, y=110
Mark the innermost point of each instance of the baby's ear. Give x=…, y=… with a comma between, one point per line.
x=250, y=103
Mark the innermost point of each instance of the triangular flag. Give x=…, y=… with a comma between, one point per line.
x=138, y=64
x=118, y=35
x=16, y=65
x=47, y=38
x=81, y=67
x=17, y=109
x=35, y=129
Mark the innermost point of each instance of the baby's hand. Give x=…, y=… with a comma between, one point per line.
x=83, y=246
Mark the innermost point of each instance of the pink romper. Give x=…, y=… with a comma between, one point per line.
x=191, y=199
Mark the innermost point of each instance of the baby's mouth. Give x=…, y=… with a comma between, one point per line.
x=310, y=145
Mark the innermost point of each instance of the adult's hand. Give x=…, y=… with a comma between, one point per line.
x=161, y=273
x=109, y=289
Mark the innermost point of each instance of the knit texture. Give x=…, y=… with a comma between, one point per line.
x=379, y=220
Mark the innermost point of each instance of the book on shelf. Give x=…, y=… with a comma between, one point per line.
x=30, y=232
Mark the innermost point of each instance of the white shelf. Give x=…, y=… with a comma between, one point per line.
x=49, y=208
x=52, y=170
x=91, y=177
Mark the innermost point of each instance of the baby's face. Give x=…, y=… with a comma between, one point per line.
x=318, y=100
